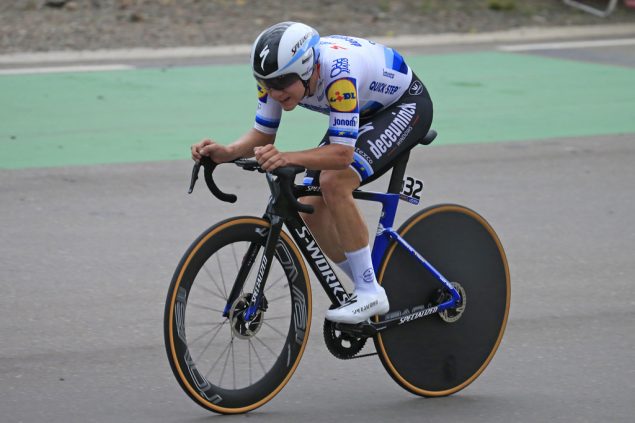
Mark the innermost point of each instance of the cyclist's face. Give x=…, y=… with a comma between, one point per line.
x=290, y=96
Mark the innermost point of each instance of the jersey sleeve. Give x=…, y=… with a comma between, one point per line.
x=268, y=113
x=344, y=111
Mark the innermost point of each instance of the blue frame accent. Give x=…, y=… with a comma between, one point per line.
x=386, y=233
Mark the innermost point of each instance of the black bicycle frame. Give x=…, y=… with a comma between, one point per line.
x=281, y=211
x=283, y=208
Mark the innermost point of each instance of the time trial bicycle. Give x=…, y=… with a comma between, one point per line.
x=238, y=310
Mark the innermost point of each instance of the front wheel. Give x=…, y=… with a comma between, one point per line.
x=441, y=354
x=227, y=363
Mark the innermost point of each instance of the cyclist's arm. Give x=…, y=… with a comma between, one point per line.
x=242, y=147
x=328, y=157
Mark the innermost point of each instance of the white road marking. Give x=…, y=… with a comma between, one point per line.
x=60, y=69
x=569, y=45
x=523, y=34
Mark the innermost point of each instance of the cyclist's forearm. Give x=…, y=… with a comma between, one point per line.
x=244, y=146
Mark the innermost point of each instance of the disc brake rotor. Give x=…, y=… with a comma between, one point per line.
x=241, y=328
x=451, y=315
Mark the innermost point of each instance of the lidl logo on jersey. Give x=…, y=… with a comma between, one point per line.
x=262, y=94
x=342, y=95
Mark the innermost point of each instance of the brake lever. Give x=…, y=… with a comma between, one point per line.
x=195, y=170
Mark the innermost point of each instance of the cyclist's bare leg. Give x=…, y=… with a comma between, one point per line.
x=337, y=223
x=337, y=191
x=322, y=226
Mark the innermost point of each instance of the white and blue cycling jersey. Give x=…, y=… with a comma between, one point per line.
x=357, y=78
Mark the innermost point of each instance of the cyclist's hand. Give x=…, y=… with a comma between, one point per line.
x=217, y=152
x=270, y=158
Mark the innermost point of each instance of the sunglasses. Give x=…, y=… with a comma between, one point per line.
x=280, y=82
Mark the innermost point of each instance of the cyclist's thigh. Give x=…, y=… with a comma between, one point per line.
x=320, y=212
x=385, y=136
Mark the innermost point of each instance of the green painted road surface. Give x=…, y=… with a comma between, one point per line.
x=156, y=114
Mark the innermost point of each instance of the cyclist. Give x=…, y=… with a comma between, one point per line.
x=377, y=109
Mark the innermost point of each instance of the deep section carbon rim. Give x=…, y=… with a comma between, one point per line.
x=226, y=363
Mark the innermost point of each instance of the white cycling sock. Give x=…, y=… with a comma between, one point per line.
x=361, y=265
x=346, y=268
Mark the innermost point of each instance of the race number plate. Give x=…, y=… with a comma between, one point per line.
x=411, y=189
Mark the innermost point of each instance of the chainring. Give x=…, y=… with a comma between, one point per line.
x=341, y=344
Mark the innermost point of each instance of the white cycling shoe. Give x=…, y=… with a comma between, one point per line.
x=360, y=307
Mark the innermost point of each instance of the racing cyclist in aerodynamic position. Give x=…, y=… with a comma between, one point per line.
x=377, y=108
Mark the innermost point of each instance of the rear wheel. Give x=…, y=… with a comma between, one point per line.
x=441, y=354
x=224, y=362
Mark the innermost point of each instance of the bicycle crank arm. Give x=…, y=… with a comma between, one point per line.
x=368, y=329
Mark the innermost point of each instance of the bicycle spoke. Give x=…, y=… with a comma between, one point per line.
x=204, y=307
x=217, y=360
x=210, y=341
x=231, y=346
x=272, y=284
x=266, y=346
x=206, y=289
x=198, y=324
x=275, y=330
x=222, y=277
x=234, y=365
x=264, y=371
x=204, y=333
x=277, y=317
x=209, y=274
x=278, y=298
x=235, y=257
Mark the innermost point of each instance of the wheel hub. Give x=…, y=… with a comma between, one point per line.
x=451, y=315
x=242, y=328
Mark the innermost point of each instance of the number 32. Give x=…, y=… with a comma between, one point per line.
x=412, y=187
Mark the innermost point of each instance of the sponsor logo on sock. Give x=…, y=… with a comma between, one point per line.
x=368, y=275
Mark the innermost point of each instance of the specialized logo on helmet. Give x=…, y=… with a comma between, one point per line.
x=263, y=55
x=342, y=95
x=299, y=44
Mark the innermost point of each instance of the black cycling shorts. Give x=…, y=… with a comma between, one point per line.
x=387, y=134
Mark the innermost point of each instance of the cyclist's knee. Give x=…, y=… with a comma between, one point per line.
x=336, y=184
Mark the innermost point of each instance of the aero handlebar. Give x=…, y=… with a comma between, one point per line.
x=286, y=177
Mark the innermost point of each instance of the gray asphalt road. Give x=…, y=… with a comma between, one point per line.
x=86, y=255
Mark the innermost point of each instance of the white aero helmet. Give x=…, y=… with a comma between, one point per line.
x=284, y=52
